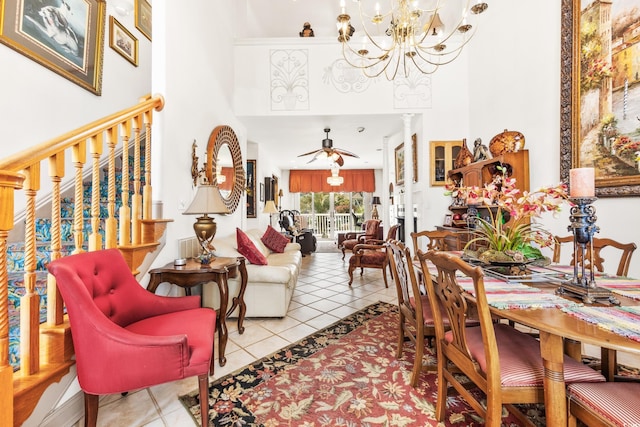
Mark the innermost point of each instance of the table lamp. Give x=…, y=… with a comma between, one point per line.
x=206, y=201
x=375, y=201
x=270, y=208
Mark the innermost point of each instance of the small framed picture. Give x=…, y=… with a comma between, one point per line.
x=122, y=41
x=143, y=17
x=448, y=220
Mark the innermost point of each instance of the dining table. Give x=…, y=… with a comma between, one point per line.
x=564, y=322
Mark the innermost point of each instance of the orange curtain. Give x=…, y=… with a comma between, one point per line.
x=228, y=173
x=315, y=181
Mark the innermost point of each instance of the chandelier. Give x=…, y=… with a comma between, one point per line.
x=335, y=179
x=409, y=35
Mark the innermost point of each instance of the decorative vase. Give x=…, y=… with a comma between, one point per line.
x=464, y=157
x=506, y=142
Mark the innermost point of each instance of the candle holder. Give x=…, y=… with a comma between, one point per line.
x=583, y=227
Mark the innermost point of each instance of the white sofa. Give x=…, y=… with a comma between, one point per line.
x=269, y=287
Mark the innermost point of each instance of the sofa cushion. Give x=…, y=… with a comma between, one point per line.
x=247, y=248
x=274, y=240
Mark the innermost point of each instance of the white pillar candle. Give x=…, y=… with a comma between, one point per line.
x=582, y=182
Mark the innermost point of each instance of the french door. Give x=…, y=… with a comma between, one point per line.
x=329, y=213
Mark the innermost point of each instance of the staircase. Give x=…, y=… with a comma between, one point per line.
x=108, y=206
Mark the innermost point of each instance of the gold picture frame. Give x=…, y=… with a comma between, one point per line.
x=73, y=51
x=399, y=160
x=122, y=41
x=585, y=139
x=143, y=17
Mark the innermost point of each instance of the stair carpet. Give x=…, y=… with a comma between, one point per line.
x=16, y=254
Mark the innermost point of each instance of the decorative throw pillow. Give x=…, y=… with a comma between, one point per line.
x=248, y=249
x=274, y=240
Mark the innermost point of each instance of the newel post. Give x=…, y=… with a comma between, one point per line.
x=9, y=182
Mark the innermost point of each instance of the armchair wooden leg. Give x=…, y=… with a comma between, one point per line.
x=203, y=385
x=91, y=409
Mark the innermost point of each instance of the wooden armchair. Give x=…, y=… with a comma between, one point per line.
x=352, y=239
x=504, y=363
x=608, y=356
x=372, y=255
x=125, y=337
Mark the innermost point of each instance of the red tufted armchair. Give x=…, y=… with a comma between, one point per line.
x=126, y=338
x=352, y=239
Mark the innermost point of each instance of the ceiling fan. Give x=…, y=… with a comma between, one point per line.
x=327, y=151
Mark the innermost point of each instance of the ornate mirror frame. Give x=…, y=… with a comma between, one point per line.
x=570, y=114
x=220, y=136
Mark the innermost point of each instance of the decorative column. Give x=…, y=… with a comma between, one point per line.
x=386, y=218
x=408, y=181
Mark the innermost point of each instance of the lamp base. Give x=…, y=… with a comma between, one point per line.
x=589, y=295
x=374, y=213
x=205, y=228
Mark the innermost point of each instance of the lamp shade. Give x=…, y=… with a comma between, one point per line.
x=375, y=200
x=270, y=207
x=207, y=201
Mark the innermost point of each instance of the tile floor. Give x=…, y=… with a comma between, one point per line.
x=322, y=297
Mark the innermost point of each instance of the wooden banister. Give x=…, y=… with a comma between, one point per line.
x=46, y=349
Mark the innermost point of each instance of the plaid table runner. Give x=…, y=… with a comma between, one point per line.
x=623, y=321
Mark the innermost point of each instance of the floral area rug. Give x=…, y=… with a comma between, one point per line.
x=345, y=375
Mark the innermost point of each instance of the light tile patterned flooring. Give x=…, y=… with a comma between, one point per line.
x=322, y=297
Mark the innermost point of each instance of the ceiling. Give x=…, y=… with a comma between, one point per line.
x=290, y=136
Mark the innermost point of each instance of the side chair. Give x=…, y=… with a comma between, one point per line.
x=352, y=239
x=372, y=254
x=608, y=356
x=504, y=363
x=437, y=240
x=416, y=317
x=126, y=338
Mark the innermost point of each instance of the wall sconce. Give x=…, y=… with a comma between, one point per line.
x=280, y=195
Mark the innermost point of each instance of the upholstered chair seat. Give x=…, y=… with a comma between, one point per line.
x=605, y=404
x=370, y=232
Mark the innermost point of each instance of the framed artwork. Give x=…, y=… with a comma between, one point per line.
x=251, y=189
x=122, y=41
x=262, y=192
x=399, y=160
x=67, y=38
x=600, y=72
x=143, y=17
x=448, y=220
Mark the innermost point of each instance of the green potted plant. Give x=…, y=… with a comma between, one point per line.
x=510, y=233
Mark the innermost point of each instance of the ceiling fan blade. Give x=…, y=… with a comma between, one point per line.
x=339, y=161
x=310, y=152
x=319, y=154
x=346, y=153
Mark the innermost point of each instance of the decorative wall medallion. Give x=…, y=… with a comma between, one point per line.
x=289, y=80
x=413, y=91
x=346, y=78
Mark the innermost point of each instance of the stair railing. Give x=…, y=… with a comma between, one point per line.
x=46, y=350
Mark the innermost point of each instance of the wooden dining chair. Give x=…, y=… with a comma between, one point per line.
x=609, y=362
x=604, y=404
x=599, y=244
x=504, y=363
x=416, y=318
x=438, y=240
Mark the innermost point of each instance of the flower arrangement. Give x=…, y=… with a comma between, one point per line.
x=510, y=232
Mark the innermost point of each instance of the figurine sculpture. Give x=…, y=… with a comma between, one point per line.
x=480, y=151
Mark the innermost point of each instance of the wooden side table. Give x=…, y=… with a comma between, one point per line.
x=194, y=273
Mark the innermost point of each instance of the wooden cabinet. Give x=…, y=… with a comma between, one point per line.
x=442, y=155
x=483, y=172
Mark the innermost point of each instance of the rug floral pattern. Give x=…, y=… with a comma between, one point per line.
x=345, y=375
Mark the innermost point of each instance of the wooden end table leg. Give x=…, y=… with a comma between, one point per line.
x=223, y=333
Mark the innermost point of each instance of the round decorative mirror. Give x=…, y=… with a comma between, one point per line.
x=224, y=167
